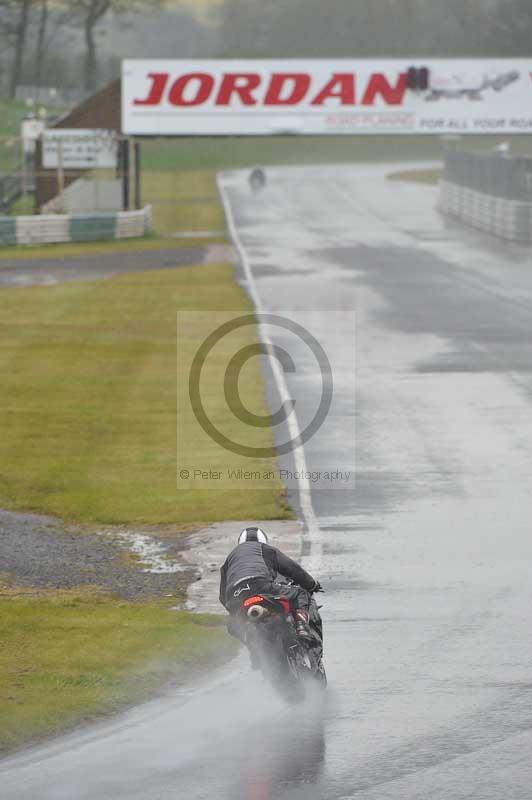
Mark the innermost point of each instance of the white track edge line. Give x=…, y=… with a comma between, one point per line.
x=304, y=489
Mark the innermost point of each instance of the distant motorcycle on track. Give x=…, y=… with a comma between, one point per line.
x=257, y=179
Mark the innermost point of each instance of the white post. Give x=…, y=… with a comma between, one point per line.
x=132, y=175
x=60, y=176
x=95, y=177
x=24, y=180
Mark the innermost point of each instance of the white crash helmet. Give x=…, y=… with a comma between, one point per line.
x=252, y=535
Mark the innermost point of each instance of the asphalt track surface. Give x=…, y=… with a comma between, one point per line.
x=427, y=561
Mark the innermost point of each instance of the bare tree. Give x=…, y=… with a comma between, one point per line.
x=413, y=28
x=41, y=37
x=15, y=22
x=92, y=12
x=54, y=16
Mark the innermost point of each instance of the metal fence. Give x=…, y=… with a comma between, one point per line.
x=10, y=190
x=67, y=189
x=50, y=96
x=492, y=174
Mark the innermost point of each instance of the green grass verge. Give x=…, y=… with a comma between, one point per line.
x=202, y=153
x=69, y=657
x=24, y=206
x=428, y=176
x=89, y=401
x=73, y=249
x=183, y=201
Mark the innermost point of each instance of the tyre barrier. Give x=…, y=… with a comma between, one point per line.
x=54, y=228
x=508, y=219
x=489, y=191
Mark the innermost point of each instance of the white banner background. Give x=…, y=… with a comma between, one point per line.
x=322, y=96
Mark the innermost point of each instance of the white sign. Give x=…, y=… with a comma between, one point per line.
x=80, y=148
x=322, y=96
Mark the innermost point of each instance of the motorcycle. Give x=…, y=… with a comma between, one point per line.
x=291, y=664
x=257, y=179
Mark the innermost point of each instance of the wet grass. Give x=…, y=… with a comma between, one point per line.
x=73, y=250
x=183, y=201
x=69, y=657
x=204, y=153
x=430, y=177
x=89, y=390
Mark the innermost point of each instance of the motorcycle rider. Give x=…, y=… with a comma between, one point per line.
x=253, y=567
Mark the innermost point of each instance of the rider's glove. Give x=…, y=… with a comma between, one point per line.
x=317, y=587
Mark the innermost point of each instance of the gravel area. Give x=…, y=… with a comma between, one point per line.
x=38, y=551
x=49, y=271
x=133, y=564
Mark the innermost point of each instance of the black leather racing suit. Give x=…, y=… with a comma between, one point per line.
x=253, y=567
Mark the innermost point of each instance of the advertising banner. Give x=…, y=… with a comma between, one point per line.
x=321, y=96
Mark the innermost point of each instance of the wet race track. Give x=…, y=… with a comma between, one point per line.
x=426, y=561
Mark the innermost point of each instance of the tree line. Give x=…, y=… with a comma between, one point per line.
x=358, y=28
x=29, y=29
x=60, y=41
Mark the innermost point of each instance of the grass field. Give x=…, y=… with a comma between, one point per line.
x=73, y=249
x=67, y=657
x=204, y=153
x=183, y=201
x=232, y=152
x=427, y=176
x=89, y=400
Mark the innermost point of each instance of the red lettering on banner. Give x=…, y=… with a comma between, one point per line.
x=341, y=86
x=205, y=84
x=298, y=83
x=379, y=85
x=283, y=89
x=240, y=85
x=158, y=85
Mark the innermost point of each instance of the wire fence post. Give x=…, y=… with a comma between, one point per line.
x=138, y=198
x=60, y=176
x=125, y=174
x=24, y=174
x=132, y=170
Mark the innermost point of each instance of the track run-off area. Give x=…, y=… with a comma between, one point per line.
x=425, y=559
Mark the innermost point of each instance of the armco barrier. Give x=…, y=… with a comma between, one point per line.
x=49, y=228
x=490, y=192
